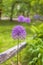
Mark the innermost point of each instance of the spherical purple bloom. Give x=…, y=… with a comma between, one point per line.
x=36, y=17
x=27, y=20
x=21, y=19
x=18, y=32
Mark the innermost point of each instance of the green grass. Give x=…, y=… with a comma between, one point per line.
x=6, y=40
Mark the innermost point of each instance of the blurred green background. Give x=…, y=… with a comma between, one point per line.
x=33, y=53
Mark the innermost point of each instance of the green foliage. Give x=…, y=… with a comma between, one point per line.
x=34, y=6
x=33, y=54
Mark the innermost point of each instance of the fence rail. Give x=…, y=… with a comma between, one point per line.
x=11, y=52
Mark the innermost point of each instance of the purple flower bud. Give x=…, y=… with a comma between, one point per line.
x=27, y=20
x=18, y=32
x=21, y=19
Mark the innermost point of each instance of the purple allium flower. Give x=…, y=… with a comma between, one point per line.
x=21, y=19
x=27, y=20
x=18, y=32
x=36, y=17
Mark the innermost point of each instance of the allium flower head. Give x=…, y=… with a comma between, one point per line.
x=27, y=20
x=36, y=17
x=21, y=19
x=18, y=32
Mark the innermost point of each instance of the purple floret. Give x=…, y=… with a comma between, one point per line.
x=27, y=20
x=18, y=32
x=21, y=19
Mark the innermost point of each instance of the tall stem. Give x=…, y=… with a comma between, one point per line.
x=18, y=52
